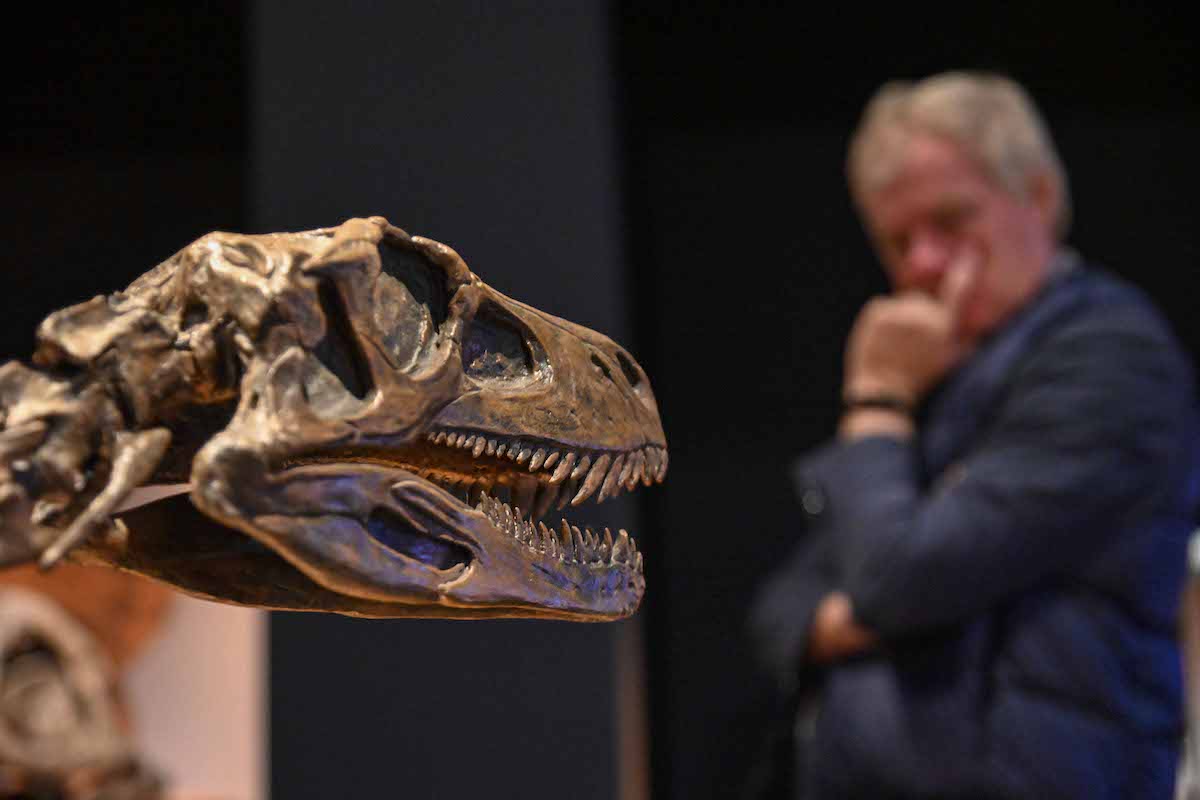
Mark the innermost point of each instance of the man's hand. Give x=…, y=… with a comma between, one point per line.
x=834, y=634
x=902, y=345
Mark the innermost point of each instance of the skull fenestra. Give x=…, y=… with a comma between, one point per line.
x=363, y=426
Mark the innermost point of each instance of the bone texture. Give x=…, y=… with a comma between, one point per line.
x=364, y=425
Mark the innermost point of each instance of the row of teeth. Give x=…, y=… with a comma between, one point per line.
x=608, y=472
x=568, y=543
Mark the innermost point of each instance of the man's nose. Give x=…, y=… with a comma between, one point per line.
x=926, y=262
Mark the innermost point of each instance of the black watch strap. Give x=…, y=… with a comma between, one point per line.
x=882, y=402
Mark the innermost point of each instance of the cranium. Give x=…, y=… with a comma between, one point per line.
x=348, y=409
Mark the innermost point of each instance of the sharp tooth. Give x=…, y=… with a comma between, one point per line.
x=480, y=444
x=546, y=495
x=536, y=459
x=581, y=468
x=500, y=449
x=564, y=469
x=524, y=455
x=491, y=447
x=431, y=436
x=611, y=480
x=440, y=438
x=651, y=465
x=513, y=449
x=608, y=538
x=564, y=533
x=605, y=548
x=565, y=545
x=470, y=441
x=637, y=563
x=631, y=471
x=565, y=493
x=462, y=440
x=580, y=547
x=629, y=475
x=550, y=459
x=662, y=467
x=620, y=549
x=549, y=545
x=594, y=479
x=523, y=493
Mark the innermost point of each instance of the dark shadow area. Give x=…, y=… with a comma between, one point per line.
x=123, y=140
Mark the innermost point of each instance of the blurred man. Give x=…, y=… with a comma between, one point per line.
x=985, y=599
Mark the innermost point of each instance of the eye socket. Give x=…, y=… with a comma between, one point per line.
x=494, y=347
x=424, y=282
x=411, y=303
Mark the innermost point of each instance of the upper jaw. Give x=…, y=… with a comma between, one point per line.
x=580, y=389
x=538, y=474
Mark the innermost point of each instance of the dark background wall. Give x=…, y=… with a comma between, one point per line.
x=751, y=266
x=122, y=140
x=489, y=127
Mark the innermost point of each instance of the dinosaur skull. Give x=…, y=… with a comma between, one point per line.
x=366, y=428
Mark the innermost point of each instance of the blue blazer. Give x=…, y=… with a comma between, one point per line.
x=1022, y=559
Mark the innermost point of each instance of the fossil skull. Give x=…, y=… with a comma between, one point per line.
x=349, y=409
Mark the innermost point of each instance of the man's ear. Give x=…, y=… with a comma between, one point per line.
x=1045, y=197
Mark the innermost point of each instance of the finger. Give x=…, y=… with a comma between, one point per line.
x=956, y=286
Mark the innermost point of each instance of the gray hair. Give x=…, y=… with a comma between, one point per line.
x=990, y=116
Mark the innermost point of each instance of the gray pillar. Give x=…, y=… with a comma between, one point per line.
x=489, y=127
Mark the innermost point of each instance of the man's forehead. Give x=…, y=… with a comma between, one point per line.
x=930, y=173
x=935, y=162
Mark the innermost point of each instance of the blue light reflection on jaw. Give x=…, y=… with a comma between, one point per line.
x=391, y=531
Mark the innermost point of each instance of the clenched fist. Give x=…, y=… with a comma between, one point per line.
x=902, y=345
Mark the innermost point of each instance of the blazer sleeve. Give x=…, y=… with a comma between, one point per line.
x=1090, y=429
x=782, y=611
